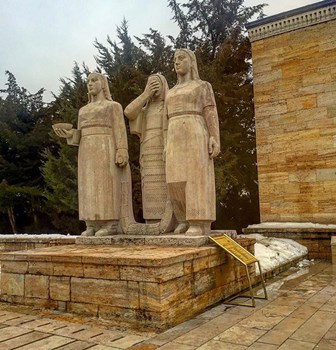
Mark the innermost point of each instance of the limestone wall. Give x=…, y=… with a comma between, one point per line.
x=295, y=108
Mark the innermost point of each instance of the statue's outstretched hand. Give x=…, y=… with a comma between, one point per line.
x=121, y=157
x=64, y=133
x=213, y=148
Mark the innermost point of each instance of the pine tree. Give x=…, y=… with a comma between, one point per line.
x=23, y=133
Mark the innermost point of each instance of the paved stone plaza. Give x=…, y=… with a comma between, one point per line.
x=300, y=314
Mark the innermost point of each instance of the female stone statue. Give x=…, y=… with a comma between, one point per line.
x=102, y=155
x=146, y=114
x=192, y=143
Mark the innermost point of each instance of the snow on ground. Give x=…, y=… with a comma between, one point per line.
x=37, y=236
x=274, y=252
x=292, y=225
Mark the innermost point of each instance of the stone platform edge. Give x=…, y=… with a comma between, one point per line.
x=142, y=287
x=172, y=240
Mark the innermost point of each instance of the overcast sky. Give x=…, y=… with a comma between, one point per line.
x=41, y=39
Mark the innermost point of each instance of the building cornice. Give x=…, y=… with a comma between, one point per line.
x=302, y=17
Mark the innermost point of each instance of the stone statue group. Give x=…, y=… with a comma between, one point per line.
x=179, y=138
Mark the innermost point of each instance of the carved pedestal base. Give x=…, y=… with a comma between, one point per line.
x=143, y=287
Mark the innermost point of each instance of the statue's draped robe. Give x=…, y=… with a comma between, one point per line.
x=189, y=169
x=148, y=125
x=101, y=132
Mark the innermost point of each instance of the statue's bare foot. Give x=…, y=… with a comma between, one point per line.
x=195, y=230
x=103, y=232
x=88, y=232
x=182, y=227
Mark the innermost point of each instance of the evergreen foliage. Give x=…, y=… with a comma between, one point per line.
x=24, y=133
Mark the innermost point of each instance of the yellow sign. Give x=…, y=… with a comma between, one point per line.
x=234, y=249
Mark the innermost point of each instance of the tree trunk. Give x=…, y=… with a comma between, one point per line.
x=12, y=220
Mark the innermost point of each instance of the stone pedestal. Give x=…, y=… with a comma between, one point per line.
x=144, y=287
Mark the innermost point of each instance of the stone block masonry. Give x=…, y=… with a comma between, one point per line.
x=144, y=287
x=294, y=69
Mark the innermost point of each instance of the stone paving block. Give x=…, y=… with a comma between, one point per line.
x=52, y=326
x=128, y=341
x=330, y=305
x=218, y=345
x=103, y=347
x=11, y=332
x=36, y=323
x=20, y=320
x=293, y=302
x=291, y=344
x=76, y=345
x=289, y=324
x=316, y=327
x=262, y=319
x=143, y=346
x=6, y=316
x=331, y=334
x=320, y=297
x=22, y=340
x=240, y=335
x=107, y=337
x=213, y=312
x=209, y=330
x=70, y=329
x=51, y=342
x=87, y=334
x=261, y=346
x=174, y=346
x=326, y=344
x=305, y=311
x=282, y=331
x=176, y=331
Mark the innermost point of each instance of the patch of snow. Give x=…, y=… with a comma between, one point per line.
x=292, y=225
x=36, y=236
x=274, y=252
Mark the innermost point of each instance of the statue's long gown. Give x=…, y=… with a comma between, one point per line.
x=101, y=131
x=149, y=127
x=189, y=170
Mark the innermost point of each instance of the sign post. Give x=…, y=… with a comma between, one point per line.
x=245, y=258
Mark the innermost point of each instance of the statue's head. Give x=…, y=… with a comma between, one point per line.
x=161, y=93
x=96, y=83
x=185, y=61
